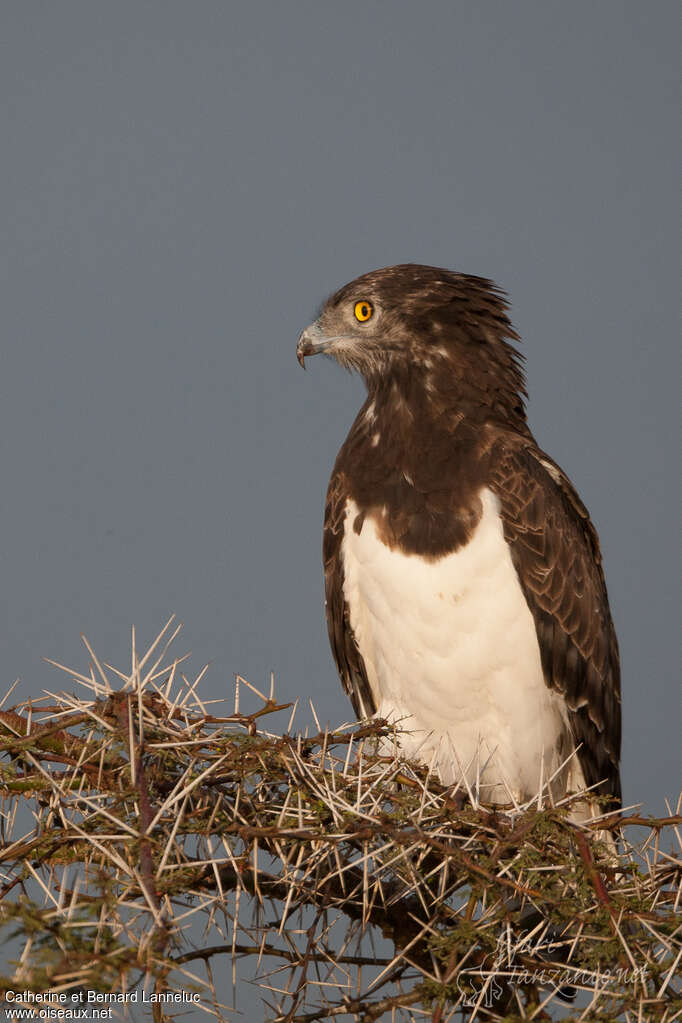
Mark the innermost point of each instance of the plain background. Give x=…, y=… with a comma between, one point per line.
x=182, y=184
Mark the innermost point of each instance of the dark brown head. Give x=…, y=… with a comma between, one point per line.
x=424, y=328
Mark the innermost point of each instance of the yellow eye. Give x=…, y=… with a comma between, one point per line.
x=363, y=311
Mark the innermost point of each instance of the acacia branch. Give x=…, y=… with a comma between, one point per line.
x=308, y=848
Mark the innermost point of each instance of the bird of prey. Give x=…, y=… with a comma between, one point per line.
x=465, y=594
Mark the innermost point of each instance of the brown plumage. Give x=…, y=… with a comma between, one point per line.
x=443, y=425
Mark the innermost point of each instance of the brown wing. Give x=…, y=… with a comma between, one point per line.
x=348, y=658
x=555, y=550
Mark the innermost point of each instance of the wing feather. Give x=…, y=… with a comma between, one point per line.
x=347, y=656
x=556, y=553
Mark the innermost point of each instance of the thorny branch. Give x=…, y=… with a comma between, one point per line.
x=346, y=881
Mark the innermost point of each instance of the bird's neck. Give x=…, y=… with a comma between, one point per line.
x=417, y=458
x=412, y=407
x=441, y=401
x=416, y=474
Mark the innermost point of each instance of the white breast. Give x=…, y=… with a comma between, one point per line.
x=451, y=651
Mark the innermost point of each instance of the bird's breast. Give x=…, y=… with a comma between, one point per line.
x=450, y=647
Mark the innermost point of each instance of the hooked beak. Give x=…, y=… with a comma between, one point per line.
x=311, y=342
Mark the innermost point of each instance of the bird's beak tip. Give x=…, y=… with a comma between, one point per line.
x=306, y=346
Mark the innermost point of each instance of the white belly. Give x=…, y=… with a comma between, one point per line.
x=451, y=652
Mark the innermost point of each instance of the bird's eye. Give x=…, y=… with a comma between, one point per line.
x=363, y=310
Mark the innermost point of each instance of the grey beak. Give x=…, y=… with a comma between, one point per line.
x=310, y=343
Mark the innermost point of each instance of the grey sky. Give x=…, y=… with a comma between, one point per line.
x=182, y=184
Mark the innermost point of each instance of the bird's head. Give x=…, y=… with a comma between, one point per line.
x=442, y=329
